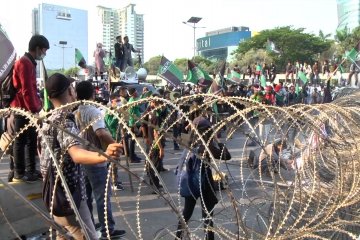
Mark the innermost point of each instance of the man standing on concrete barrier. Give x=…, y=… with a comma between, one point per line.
x=27, y=98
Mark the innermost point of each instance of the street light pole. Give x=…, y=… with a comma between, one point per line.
x=194, y=21
x=62, y=44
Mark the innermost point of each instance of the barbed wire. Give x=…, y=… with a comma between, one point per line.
x=314, y=195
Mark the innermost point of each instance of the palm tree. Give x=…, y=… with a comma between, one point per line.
x=324, y=37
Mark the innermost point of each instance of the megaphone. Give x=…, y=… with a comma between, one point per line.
x=130, y=75
x=130, y=72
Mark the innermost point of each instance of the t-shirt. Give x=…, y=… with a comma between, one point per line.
x=86, y=116
x=73, y=173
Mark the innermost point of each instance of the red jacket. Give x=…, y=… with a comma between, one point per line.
x=24, y=80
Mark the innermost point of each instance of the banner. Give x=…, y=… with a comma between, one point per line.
x=7, y=55
x=170, y=72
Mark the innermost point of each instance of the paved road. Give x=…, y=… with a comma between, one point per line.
x=147, y=216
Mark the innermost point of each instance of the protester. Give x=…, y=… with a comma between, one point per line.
x=127, y=58
x=27, y=98
x=134, y=124
x=119, y=52
x=99, y=55
x=208, y=198
x=93, y=128
x=61, y=92
x=154, y=144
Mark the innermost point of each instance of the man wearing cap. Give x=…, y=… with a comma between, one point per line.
x=69, y=153
x=134, y=116
x=27, y=98
x=119, y=52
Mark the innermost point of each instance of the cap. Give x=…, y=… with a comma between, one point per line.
x=57, y=84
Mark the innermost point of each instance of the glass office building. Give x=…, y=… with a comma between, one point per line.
x=66, y=29
x=219, y=44
x=348, y=13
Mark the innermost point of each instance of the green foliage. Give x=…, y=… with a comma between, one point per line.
x=252, y=57
x=71, y=72
x=182, y=64
x=52, y=71
x=293, y=45
x=152, y=66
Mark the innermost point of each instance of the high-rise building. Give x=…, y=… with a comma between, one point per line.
x=348, y=14
x=66, y=29
x=124, y=22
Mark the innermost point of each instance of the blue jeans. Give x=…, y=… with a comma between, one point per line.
x=95, y=184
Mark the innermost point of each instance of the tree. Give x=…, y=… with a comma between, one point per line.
x=252, y=57
x=181, y=63
x=72, y=72
x=293, y=45
x=152, y=66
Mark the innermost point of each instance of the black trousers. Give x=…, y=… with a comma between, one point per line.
x=189, y=206
x=24, y=149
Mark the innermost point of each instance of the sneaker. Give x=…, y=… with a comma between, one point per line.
x=11, y=176
x=38, y=174
x=115, y=234
x=28, y=178
x=97, y=226
x=135, y=161
x=117, y=187
x=137, y=158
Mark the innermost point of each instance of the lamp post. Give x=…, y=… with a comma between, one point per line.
x=62, y=44
x=194, y=21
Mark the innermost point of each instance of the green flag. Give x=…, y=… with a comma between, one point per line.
x=170, y=72
x=235, y=76
x=79, y=59
x=47, y=104
x=297, y=89
x=198, y=76
x=353, y=54
x=302, y=77
x=263, y=81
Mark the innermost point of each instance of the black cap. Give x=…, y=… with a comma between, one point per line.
x=57, y=84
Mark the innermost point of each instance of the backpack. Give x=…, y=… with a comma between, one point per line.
x=7, y=91
x=192, y=177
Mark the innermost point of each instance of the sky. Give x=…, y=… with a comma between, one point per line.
x=165, y=34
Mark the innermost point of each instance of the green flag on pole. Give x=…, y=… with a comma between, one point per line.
x=169, y=72
x=302, y=77
x=79, y=59
x=198, y=76
x=353, y=54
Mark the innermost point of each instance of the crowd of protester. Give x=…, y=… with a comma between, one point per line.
x=143, y=121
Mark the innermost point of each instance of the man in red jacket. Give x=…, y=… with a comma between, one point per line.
x=27, y=98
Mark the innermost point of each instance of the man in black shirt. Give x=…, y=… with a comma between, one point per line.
x=119, y=52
